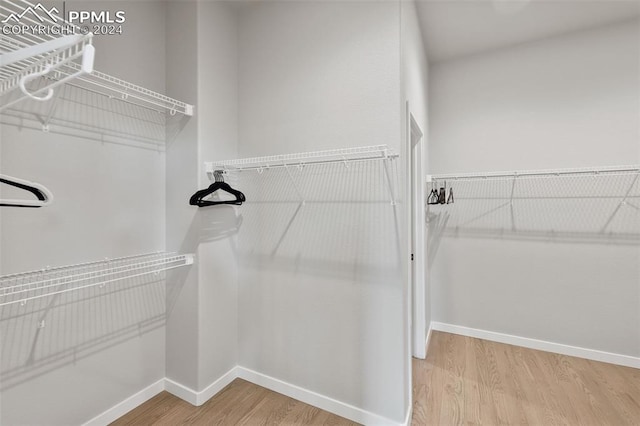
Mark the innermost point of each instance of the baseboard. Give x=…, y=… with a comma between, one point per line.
x=312, y=398
x=181, y=391
x=407, y=419
x=542, y=345
x=198, y=398
x=428, y=340
x=119, y=410
x=215, y=387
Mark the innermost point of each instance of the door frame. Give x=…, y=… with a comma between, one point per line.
x=417, y=271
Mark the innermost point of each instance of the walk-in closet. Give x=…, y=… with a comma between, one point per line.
x=271, y=212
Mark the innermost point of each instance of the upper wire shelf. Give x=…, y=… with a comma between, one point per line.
x=594, y=204
x=299, y=160
x=542, y=173
x=365, y=153
x=52, y=59
x=22, y=287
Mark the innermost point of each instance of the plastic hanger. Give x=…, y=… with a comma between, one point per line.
x=442, y=196
x=433, y=195
x=197, y=199
x=43, y=195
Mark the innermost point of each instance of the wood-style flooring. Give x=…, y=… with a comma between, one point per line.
x=462, y=381
x=473, y=381
x=240, y=403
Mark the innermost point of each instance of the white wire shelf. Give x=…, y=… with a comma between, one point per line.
x=28, y=58
x=344, y=155
x=596, y=204
x=26, y=286
x=542, y=173
x=300, y=160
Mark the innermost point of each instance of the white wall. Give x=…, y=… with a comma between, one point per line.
x=568, y=101
x=202, y=332
x=217, y=139
x=102, y=345
x=414, y=80
x=182, y=227
x=321, y=287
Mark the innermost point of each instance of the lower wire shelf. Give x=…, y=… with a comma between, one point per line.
x=22, y=287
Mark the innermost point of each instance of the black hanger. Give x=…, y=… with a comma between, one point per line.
x=442, y=197
x=42, y=194
x=450, y=199
x=197, y=198
x=433, y=195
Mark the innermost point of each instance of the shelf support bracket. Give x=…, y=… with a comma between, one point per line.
x=513, y=187
x=385, y=162
x=54, y=105
x=295, y=185
x=622, y=203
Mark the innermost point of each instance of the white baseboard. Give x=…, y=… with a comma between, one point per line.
x=426, y=344
x=542, y=345
x=119, y=410
x=215, y=387
x=312, y=398
x=198, y=398
x=407, y=419
x=181, y=391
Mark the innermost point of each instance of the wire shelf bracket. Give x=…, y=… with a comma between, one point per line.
x=23, y=287
x=25, y=57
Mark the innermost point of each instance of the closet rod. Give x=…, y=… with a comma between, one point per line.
x=585, y=171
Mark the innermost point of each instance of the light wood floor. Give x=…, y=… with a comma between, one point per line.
x=240, y=403
x=462, y=381
x=473, y=381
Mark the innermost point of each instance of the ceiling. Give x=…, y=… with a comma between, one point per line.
x=454, y=28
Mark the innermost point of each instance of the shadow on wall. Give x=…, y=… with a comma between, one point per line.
x=48, y=333
x=598, y=209
x=320, y=277
x=87, y=114
x=209, y=224
x=333, y=220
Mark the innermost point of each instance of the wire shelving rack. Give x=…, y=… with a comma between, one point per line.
x=300, y=160
x=344, y=155
x=599, y=204
x=23, y=287
x=53, y=59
